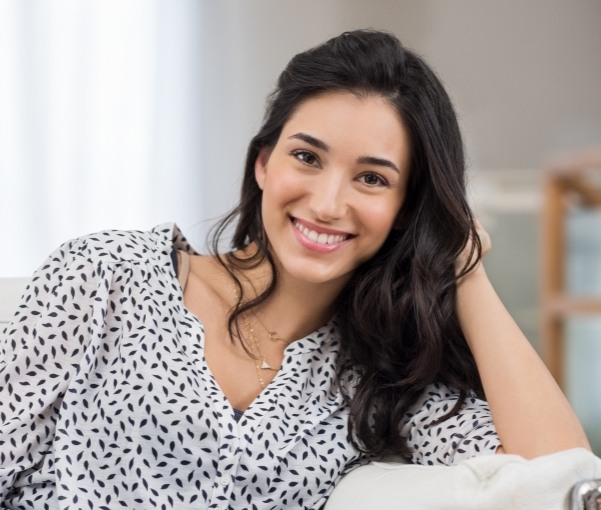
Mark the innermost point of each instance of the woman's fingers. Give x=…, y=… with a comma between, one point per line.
x=468, y=255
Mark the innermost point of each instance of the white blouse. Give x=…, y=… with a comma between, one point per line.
x=106, y=400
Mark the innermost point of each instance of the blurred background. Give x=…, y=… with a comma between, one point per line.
x=131, y=113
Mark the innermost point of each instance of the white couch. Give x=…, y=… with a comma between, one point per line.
x=491, y=482
x=11, y=290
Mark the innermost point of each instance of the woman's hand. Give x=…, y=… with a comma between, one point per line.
x=468, y=255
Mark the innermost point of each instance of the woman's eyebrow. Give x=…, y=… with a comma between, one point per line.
x=311, y=140
x=370, y=160
x=365, y=160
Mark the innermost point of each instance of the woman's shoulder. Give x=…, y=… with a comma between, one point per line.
x=117, y=246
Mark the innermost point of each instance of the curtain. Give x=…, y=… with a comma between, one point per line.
x=99, y=121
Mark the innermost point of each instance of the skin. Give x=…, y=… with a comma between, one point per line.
x=339, y=169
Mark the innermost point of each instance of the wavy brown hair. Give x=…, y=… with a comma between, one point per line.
x=396, y=315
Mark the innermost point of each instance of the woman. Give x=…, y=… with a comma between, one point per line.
x=353, y=318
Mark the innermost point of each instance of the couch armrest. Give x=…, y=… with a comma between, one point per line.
x=491, y=482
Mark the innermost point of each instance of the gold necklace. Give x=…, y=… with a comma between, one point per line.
x=257, y=355
x=274, y=336
x=261, y=362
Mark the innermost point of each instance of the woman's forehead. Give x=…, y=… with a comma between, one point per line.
x=366, y=125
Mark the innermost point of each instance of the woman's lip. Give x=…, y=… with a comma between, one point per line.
x=320, y=230
x=318, y=241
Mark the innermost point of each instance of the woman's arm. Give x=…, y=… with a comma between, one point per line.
x=530, y=413
x=39, y=354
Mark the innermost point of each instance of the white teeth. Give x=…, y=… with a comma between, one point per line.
x=319, y=238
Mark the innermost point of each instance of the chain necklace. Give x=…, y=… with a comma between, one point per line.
x=274, y=336
x=261, y=362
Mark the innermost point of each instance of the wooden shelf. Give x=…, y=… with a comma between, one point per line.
x=562, y=193
x=563, y=306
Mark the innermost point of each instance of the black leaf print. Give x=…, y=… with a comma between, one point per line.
x=107, y=401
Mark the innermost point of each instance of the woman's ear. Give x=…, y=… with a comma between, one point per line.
x=261, y=167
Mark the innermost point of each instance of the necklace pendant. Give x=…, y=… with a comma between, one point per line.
x=274, y=337
x=266, y=366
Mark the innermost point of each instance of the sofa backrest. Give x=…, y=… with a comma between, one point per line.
x=11, y=290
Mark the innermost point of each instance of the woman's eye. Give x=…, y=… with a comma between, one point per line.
x=305, y=156
x=374, y=180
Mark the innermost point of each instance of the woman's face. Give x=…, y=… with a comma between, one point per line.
x=333, y=185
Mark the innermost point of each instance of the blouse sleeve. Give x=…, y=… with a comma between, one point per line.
x=469, y=433
x=39, y=353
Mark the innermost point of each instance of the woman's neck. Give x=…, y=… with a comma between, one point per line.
x=295, y=309
x=296, y=312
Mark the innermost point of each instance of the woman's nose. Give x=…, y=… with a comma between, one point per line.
x=329, y=197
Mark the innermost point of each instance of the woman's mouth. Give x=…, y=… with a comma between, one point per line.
x=323, y=236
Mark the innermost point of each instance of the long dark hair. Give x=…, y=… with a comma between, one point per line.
x=396, y=316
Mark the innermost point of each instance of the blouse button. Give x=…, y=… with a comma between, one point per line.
x=224, y=480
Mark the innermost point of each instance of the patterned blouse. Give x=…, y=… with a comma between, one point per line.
x=106, y=400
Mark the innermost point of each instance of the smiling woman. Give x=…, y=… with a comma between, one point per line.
x=351, y=319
